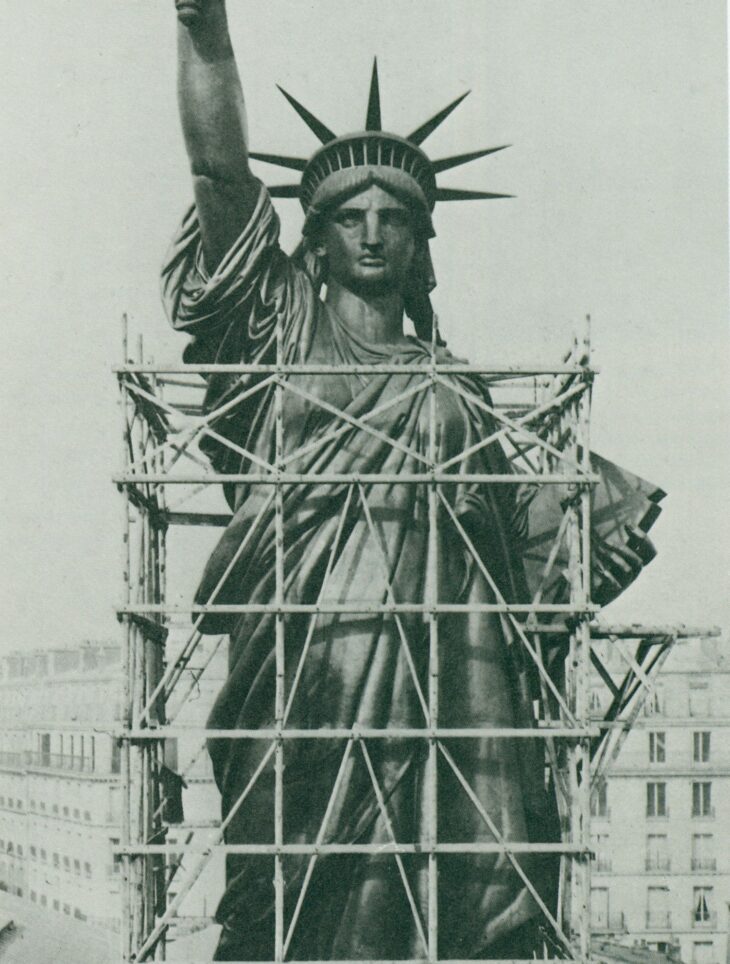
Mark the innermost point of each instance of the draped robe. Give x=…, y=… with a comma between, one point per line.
x=366, y=548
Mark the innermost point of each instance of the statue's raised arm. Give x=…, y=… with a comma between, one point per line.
x=213, y=119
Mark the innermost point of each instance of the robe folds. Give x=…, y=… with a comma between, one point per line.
x=368, y=546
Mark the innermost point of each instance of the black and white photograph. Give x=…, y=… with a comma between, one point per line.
x=366, y=383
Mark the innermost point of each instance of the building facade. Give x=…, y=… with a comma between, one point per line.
x=661, y=820
x=59, y=780
x=60, y=792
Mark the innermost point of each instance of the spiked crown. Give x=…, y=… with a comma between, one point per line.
x=375, y=148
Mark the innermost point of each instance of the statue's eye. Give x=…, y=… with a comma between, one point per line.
x=396, y=218
x=349, y=218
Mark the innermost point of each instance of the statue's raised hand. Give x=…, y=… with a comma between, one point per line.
x=190, y=12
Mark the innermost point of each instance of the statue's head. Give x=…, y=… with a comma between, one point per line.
x=368, y=228
x=367, y=184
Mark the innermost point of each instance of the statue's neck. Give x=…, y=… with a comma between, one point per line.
x=374, y=318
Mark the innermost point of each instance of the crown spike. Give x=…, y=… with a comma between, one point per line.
x=373, y=121
x=284, y=190
x=294, y=163
x=420, y=134
x=316, y=126
x=455, y=194
x=446, y=163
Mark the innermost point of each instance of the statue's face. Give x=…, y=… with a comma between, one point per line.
x=369, y=241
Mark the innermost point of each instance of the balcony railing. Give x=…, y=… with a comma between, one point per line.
x=706, y=921
x=11, y=759
x=658, y=815
x=704, y=863
x=601, y=813
x=603, y=865
x=704, y=813
x=658, y=920
x=608, y=923
x=658, y=863
x=60, y=761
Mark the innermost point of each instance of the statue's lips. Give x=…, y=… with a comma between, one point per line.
x=371, y=262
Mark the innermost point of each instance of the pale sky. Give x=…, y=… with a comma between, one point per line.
x=617, y=116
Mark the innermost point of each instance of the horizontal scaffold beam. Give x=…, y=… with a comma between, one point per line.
x=356, y=609
x=359, y=478
x=385, y=848
x=507, y=371
x=546, y=732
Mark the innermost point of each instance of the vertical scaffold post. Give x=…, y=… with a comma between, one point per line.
x=127, y=937
x=578, y=666
x=279, y=695
x=584, y=669
x=432, y=583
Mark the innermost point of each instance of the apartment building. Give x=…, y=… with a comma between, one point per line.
x=59, y=780
x=60, y=793
x=661, y=820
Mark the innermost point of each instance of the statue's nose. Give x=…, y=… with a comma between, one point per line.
x=373, y=234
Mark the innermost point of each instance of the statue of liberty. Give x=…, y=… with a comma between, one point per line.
x=362, y=267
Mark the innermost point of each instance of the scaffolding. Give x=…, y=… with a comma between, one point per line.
x=542, y=414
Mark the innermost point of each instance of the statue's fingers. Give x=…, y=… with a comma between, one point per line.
x=623, y=564
x=189, y=11
x=640, y=543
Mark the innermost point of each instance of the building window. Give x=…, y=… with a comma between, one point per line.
x=702, y=800
x=87, y=868
x=599, y=800
x=77, y=813
x=603, y=858
x=658, y=916
x=33, y=896
x=114, y=841
x=56, y=905
x=703, y=852
x=654, y=705
x=703, y=952
x=701, y=748
x=699, y=700
x=702, y=907
x=65, y=811
x=67, y=863
x=56, y=860
x=657, y=752
x=656, y=800
x=44, y=900
x=599, y=908
x=116, y=756
x=33, y=851
x=657, y=852
x=67, y=909
x=77, y=867
x=44, y=855
x=87, y=816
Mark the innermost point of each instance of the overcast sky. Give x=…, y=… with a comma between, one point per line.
x=617, y=116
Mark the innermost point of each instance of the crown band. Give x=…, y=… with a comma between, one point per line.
x=368, y=149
